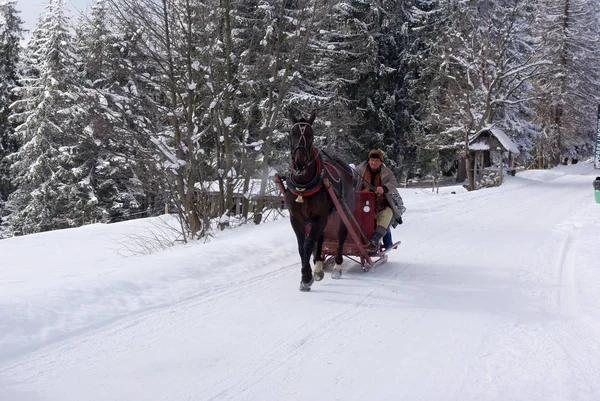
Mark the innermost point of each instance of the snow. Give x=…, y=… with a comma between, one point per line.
x=479, y=146
x=502, y=137
x=492, y=295
x=238, y=187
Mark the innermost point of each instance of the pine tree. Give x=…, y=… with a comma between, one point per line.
x=568, y=32
x=11, y=33
x=117, y=164
x=360, y=78
x=10, y=51
x=53, y=188
x=343, y=57
x=285, y=29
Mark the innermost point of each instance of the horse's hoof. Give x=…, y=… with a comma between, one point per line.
x=336, y=274
x=318, y=271
x=305, y=287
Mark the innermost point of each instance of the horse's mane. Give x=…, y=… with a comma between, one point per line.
x=338, y=161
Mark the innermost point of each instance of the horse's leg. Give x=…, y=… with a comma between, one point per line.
x=316, y=229
x=298, y=227
x=318, y=260
x=339, y=256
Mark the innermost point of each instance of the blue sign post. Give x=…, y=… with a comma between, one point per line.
x=597, y=147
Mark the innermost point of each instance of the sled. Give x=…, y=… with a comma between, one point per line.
x=361, y=226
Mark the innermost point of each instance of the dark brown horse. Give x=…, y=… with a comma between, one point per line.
x=309, y=202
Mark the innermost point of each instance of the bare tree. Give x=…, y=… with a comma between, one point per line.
x=285, y=43
x=485, y=65
x=172, y=33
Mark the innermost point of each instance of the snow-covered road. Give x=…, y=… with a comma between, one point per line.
x=493, y=295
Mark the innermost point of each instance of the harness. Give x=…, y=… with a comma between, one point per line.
x=301, y=190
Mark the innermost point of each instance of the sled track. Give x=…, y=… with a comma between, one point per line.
x=265, y=363
x=132, y=319
x=291, y=349
x=565, y=271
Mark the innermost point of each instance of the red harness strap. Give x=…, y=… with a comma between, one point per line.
x=314, y=186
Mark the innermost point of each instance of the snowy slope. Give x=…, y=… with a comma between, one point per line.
x=493, y=295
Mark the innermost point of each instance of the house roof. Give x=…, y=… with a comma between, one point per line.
x=499, y=134
x=238, y=187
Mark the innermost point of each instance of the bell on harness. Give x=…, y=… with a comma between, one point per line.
x=300, y=199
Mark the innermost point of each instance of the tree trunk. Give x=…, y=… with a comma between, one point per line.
x=470, y=164
x=461, y=173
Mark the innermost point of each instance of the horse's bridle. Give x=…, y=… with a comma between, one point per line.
x=302, y=143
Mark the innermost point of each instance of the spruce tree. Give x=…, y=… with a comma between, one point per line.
x=568, y=32
x=114, y=150
x=11, y=33
x=53, y=186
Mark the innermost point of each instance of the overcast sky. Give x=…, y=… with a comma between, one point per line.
x=31, y=9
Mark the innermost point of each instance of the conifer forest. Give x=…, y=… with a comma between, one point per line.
x=141, y=105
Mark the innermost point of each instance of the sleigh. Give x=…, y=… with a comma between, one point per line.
x=361, y=226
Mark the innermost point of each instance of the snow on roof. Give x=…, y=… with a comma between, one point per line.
x=500, y=135
x=238, y=187
x=479, y=146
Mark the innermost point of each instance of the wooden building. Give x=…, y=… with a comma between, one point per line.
x=273, y=198
x=488, y=148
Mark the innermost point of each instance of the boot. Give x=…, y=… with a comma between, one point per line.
x=379, y=232
x=387, y=240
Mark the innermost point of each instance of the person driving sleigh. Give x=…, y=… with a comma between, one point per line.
x=374, y=176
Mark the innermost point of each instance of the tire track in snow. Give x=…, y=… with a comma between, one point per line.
x=288, y=349
x=565, y=272
x=129, y=320
x=278, y=356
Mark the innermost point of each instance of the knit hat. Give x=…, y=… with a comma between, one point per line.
x=376, y=154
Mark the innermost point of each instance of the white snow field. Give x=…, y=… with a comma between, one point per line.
x=492, y=295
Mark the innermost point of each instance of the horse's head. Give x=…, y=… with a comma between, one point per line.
x=301, y=141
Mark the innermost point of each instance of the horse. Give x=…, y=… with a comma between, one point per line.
x=308, y=200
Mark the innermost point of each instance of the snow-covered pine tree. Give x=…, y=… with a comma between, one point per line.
x=568, y=32
x=247, y=33
x=361, y=75
x=11, y=33
x=343, y=52
x=247, y=75
x=117, y=154
x=53, y=187
x=423, y=152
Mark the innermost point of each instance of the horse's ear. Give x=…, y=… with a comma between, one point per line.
x=293, y=117
x=311, y=119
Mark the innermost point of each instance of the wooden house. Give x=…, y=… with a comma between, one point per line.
x=488, y=148
x=273, y=198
